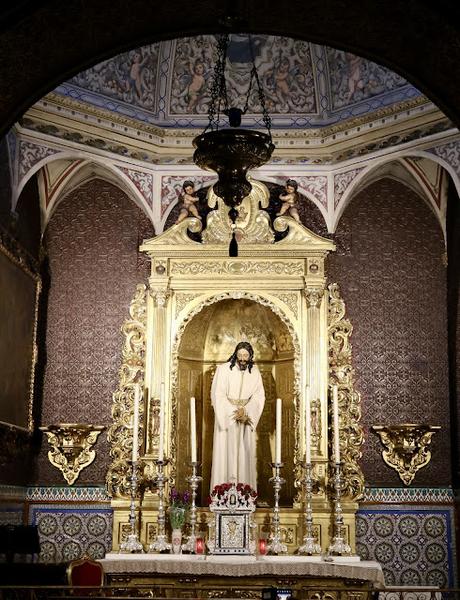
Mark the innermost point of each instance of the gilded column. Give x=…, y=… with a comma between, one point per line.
x=160, y=321
x=157, y=359
x=314, y=347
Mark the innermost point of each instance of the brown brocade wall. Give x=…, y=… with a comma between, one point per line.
x=392, y=275
x=94, y=265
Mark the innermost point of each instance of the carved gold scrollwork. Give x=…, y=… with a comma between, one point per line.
x=182, y=299
x=314, y=296
x=290, y=299
x=341, y=373
x=132, y=370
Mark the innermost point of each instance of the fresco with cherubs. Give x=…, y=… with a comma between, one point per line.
x=284, y=67
x=129, y=77
x=353, y=78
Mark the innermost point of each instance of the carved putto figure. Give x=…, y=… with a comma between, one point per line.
x=290, y=199
x=189, y=200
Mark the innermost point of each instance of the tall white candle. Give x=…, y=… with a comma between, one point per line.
x=193, y=429
x=162, y=422
x=137, y=395
x=278, y=431
x=307, y=425
x=335, y=412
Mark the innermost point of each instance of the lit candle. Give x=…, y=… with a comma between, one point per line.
x=193, y=428
x=262, y=547
x=278, y=431
x=162, y=422
x=307, y=426
x=335, y=412
x=137, y=395
x=199, y=546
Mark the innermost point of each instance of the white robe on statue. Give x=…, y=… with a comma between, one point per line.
x=234, y=445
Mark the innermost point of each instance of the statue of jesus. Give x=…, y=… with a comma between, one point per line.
x=238, y=397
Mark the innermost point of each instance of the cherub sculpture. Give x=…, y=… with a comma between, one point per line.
x=189, y=200
x=290, y=199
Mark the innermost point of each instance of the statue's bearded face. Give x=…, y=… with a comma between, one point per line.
x=242, y=359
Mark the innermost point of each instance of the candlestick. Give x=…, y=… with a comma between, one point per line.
x=137, y=394
x=310, y=546
x=276, y=546
x=278, y=432
x=160, y=543
x=193, y=429
x=194, y=480
x=307, y=426
x=132, y=543
x=338, y=544
x=335, y=412
x=162, y=422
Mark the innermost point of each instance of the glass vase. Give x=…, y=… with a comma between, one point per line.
x=177, y=521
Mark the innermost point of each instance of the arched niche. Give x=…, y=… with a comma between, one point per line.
x=208, y=339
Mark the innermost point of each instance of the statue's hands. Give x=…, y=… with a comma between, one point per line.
x=239, y=414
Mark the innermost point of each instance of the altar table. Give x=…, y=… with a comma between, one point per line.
x=211, y=575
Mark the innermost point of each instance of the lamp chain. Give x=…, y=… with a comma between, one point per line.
x=219, y=87
x=219, y=98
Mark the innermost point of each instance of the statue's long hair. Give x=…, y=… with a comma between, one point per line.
x=242, y=346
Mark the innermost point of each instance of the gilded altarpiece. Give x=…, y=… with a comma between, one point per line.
x=198, y=304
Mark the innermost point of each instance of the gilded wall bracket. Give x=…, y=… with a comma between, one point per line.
x=406, y=447
x=72, y=447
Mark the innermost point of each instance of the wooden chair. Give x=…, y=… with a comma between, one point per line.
x=85, y=572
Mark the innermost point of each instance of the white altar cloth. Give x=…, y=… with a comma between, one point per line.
x=243, y=566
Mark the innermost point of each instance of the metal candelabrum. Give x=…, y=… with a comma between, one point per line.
x=310, y=546
x=132, y=543
x=338, y=544
x=275, y=545
x=194, y=480
x=160, y=543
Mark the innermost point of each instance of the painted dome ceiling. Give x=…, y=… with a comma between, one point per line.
x=167, y=84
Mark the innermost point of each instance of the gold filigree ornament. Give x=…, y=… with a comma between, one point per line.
x=341, y=373
x=72, y=447
x=406, y=447
x=119, y=435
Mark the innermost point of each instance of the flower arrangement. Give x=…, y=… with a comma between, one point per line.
x=238, y=496
x=244, y=489
x=179, y=503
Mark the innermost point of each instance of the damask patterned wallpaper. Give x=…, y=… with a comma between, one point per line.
x=92, y=243
x=391, y=270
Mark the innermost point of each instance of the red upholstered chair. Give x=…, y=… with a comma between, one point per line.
x=85, y=571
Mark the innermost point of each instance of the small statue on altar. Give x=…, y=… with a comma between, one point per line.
x=290, y=199
x=189, y=200
x=238, y=398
